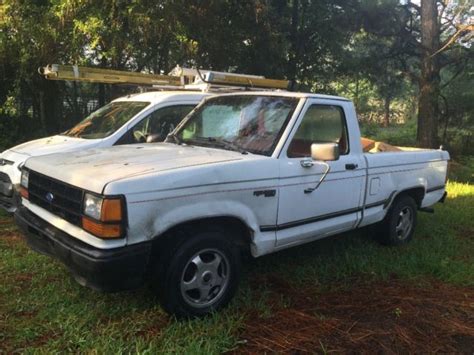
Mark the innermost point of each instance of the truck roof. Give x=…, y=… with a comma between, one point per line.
x=287, y=94
x=159, y=96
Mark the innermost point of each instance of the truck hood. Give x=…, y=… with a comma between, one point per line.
x=94, y=168
x=54, y=144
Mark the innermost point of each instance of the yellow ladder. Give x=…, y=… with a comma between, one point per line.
x=178, y=78
x=106, y=76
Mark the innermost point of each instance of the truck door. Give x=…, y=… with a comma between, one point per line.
x=334, y=206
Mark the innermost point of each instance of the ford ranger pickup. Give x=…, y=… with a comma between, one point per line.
x=252, y=173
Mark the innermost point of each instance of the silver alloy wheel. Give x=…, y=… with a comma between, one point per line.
x=404, y=223
x=205, y=278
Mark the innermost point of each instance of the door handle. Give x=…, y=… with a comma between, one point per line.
x=351, y=166
x=307, y=163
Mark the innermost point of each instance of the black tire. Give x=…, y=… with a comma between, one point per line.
x=398, y=226
x=175, y=270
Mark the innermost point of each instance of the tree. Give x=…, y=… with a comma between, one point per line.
x=315, y=43
x=443, y=25
x=427, y=134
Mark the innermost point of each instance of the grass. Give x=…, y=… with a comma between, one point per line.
x=43, y=310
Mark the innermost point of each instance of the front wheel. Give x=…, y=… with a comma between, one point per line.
x=200, y=277
x=399, y=225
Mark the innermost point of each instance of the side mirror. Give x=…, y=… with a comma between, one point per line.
x=153, y=138
x=325, y=151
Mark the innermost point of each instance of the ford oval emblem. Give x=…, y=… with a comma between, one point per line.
x=49, y=197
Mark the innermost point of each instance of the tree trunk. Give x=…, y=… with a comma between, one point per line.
x=386, y=110
x=356, y=98
x=42, y=112
x=101, y=95
x=427, y=134
x=294, y=45
x=48, y=104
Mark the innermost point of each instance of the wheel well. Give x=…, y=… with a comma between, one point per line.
x=417, y=193
x=240, y=233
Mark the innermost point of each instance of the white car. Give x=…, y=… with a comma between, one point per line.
x=249, y=172
x=132, y=119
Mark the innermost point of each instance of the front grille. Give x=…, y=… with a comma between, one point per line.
x=64, y=200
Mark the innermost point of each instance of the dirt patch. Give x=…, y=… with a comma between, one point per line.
x=23, y=277
x=10, y=237
x=42, y=340
x=13, y=240
x=465, y=232
x=391, y=316
x=153, y=330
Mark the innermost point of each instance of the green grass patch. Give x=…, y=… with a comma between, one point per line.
x=42, y=309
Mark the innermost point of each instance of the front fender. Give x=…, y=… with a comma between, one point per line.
x=152, y=218
x=206, y=209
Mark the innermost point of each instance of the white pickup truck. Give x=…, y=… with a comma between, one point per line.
x=250, y=172
x=131, y=119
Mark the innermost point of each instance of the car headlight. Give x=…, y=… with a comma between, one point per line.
x=25, y=175
x=106, y=216
x=93, y=206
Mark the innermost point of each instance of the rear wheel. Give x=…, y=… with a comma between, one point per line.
x=399, y=225
x=200, y=276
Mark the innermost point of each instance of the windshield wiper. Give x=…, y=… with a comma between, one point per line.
x=175, y=138
x=226, y=144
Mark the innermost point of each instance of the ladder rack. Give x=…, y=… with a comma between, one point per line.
x=106, y=76
x=179, y=78
x=242, y=80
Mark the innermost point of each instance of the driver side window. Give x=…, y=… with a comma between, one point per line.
x=156, y=126
x=320, y=124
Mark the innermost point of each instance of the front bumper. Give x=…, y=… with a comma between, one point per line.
x=101, y=269
x=10, y=203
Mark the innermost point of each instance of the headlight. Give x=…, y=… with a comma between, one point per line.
x=25, y=174
x=93, y=206
x=106, y=216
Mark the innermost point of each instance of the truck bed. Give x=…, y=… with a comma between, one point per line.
x=410, y=168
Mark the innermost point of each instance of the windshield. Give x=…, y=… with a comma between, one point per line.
x=106, y=120
x=239, y=122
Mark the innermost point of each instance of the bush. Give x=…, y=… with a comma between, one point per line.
x=400, y=134
x=459, y=141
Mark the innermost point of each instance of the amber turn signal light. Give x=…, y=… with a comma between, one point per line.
x=102, y=230
x=111, y=210
x=24, y=193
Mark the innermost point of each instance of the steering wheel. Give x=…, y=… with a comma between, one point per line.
x=139, y=136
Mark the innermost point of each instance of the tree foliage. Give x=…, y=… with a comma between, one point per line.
x=371, y=51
